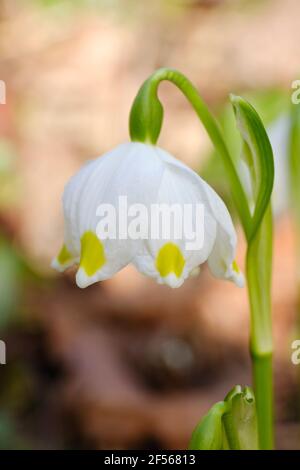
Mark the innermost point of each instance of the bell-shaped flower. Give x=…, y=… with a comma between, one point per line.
x=148, y=179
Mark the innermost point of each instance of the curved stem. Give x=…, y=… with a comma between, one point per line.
x=211, y=126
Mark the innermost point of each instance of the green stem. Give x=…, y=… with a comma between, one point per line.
x=263, y=385
x=259, y=260
x=148, y=94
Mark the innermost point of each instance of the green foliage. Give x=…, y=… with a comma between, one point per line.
x=270, y=104
x=229, y=425
x=258, y=155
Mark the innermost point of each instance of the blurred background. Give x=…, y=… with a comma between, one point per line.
x=128, y=364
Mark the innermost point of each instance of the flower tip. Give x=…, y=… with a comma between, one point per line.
x=82, y=280
x=63, y=260
x=55, y=264
x=172, y=281
x=236, y=275
x=239, y=280
x=195, y=272
x=235, y=99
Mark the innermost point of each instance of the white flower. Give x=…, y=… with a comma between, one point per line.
x=147, y=175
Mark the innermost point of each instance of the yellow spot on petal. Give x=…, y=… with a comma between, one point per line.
x=92, y=253
x=64, y=256
x=235, y=267
x=170, y=260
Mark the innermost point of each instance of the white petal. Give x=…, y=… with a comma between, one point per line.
x=131, y=170
x=177, y=188
x=221, y=259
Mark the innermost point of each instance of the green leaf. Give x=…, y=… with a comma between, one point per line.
x=229, y=424
x=208, y=434
x=259, y=157
x=242, y=418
